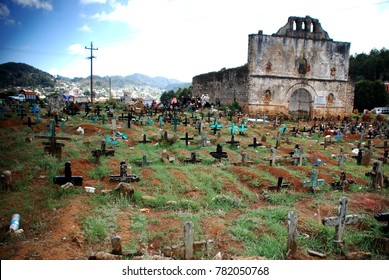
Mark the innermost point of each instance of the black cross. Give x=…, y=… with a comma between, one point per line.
x=193, y=158
x=186, y=121
x=186, y=138
x=144, y=141
x=102, y=151
x=279, y=185
x=129, y=119
x=122, y=117
x=232, y=141
x=29, y=122
x=219, y=154
x=124, y=177
x=75, y=180
x=255, y=143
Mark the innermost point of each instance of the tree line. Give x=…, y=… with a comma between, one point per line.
x=369, y=72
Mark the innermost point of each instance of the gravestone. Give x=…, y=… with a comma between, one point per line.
x=61, y=180
x=244, y=160
x=341, y=220
x=123, y=176
x=216, y=126
x=341, y=157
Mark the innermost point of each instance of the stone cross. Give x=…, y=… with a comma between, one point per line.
x=292, y=234
x=61, y=180
x=341, y=220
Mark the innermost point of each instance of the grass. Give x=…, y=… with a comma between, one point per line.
x=209, y=193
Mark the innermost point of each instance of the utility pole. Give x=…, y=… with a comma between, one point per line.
x=91, y=69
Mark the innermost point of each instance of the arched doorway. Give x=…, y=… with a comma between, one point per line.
x=300, y=103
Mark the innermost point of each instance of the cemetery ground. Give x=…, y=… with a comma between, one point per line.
x=228, y=202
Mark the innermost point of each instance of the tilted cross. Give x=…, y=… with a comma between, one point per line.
x=341, y=220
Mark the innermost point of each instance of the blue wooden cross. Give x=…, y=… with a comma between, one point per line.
x=242, y=128
x=216, y=126
x=314, y=182
x=232, y=127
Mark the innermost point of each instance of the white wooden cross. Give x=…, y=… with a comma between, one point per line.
x=341, y=220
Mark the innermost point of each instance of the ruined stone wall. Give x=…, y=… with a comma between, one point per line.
x=272, y=95
x=300, y=64
x=226, y=85
x=279, y=65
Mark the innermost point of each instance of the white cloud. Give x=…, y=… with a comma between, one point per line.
x=183, y=38
x=86, y=2
x=38, y=4
x=76, y=49
x=4, y=11
x=84, y=28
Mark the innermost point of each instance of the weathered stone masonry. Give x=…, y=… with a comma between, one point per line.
x=298, y=70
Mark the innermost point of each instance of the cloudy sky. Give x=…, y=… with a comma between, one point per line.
x=172, y=38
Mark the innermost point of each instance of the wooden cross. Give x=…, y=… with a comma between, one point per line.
x=102, y=151
x=53, y=147
x=278, y=142
x=75, y=180
x=189, y=240
x=232, y=141
x=186, y=138
x=314, y=182
x=280, y=184
x=29, y=123
x=123, y=176
x=219, y=154
x=144, y=141
x=144, y=161
x=175, y=123
x=21, y=112
x=341, y=220
x=193, y=158
x=292, y=234
x=186, y=122
x=255, y=143
x=215, y=126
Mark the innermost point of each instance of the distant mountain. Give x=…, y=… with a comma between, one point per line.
x=21, y=74
x=129, y=81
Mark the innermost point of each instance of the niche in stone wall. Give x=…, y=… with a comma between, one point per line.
x=303, y=66
x=332, y=71
x=268, y=66
x=266, y=97
x=330, y=99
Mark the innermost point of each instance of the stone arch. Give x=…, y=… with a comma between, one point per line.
x=300, y=98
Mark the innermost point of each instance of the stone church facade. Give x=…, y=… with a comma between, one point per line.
x=299, y=70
